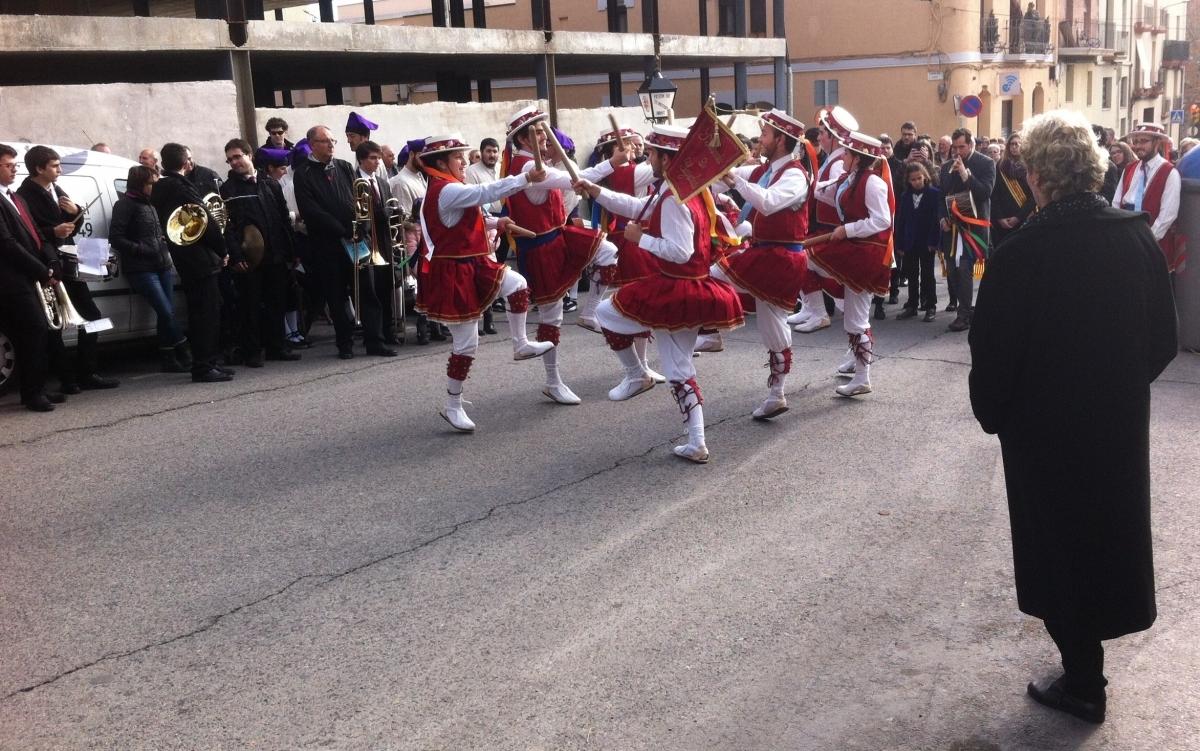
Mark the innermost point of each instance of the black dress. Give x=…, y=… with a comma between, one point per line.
x=1076, y=444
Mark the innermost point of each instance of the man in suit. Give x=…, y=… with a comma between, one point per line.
x=967, y=170
x=58, y=219
x=370, y=168
x=198, y=264
x=21, y=268
x=259, y=240
x=325, y=198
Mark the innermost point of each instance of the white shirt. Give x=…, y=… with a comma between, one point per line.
x=481, y=174
x=288, y=184
x=1169, y=210
x=407, y=187
x=879, y=215
x=676, y=244
x=790, y=190
x=557, y=179
x=836, y=168
x=455, y=197
x=374, y=185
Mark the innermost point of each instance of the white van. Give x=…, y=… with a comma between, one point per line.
x=86, y=175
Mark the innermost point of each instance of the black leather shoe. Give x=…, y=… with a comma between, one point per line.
x=253, y=359
x=221, y=369
x=880, y=313
x=56, y=398
x=97, y=382
x=570, y=305
x=378, y=350
x=211, y=376
x=69, y=387
x=893, y=299
x=1052, y=694
x=39, y=403
x=907, y=313
x=283, y=355
x=952, y=307
x=346, y=354
x=489, y=329
x=498, y=306
x=390, y=339
x=959, y=324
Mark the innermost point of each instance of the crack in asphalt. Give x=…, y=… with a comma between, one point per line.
x=324, y=579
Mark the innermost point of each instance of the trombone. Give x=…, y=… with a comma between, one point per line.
x=396, y=227
x=364, y=251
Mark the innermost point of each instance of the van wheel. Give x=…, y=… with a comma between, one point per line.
x=8, y=363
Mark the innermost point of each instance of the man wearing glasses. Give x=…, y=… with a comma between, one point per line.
x=1151, y=184
x=325, y=199
x=277, y=129
x=259, y=239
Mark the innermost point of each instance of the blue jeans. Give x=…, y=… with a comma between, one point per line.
x=157, y=288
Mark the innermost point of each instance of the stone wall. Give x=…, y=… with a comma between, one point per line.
x=128, y=117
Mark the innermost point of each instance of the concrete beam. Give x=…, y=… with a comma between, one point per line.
x=291, y=36
x=719, y=49
x=94, y=34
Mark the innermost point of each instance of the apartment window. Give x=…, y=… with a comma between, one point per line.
x=1124, y=94
x=1148, y=115
x=758, y=17
x=726, y=18
x=1069, y=84
x=825, y=92
x=1006, y=117
x=1089, y=88
x=1106, y=93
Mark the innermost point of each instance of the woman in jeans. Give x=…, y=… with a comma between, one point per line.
x=137, y=237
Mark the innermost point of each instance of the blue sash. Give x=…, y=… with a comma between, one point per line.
x=526, y=244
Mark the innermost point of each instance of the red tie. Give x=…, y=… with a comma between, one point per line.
x=20, y=204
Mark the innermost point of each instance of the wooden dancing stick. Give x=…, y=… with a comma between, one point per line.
x=558, y=150
x=537, y=152
x=513, y=229
x=617, y=129
x=818, y=240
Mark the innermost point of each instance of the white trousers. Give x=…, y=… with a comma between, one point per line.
x=465, y=336
x=773, y=327
x=674, y=349
x=856, y=312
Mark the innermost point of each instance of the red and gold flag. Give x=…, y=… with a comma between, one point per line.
x=710, y=150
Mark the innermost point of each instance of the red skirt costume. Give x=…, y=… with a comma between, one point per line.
x=554, y=260
x=681, y=296
x=633, y=263
x=460, y=281
x=774, y=268
x=862, y=264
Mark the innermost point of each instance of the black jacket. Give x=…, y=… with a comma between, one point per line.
x=136, y=235
x=982, y=181
x=261, y=204
x=206, y=180
x=1077, y=459
x=21, y=262
x=325, y=199
x=202, y=258
x=46, y=212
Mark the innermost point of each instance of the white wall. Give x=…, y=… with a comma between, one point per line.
x=128, y=117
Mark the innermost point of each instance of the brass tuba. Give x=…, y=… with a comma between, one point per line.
x=216, y=209
x=187, y=224
x=56, y=304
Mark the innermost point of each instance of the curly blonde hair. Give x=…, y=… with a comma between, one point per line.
x=1060, y=147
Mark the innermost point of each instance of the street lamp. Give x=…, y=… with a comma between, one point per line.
x=657, y=96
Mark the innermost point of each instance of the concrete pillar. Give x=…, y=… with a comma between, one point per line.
x=243, y=85
x=141, y=8
x=781, y=80
x=541, y=75
x=458, y=16
x=740, y=83
x=615, y=93
x=333, y=91
x=783, y=88
x=551, y=91
x=705, y=80
x=479, y=21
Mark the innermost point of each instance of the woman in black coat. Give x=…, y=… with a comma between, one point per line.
x=137, y=238
x=1076, y=445
x=1012, y=201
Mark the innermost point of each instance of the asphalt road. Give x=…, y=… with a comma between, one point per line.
x=309, y=557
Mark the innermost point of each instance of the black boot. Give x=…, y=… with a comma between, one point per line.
x=488, y=328
x=169, y=363
x=436, y=333
x=880, y=313
x=422, y=329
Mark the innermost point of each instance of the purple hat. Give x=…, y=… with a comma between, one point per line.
x=564, y=140
x=360, y=125
x=276, y=157
x=300, y=151
x=415, y=146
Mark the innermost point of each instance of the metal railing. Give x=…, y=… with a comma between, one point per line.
x=1025, y=37
x=1087, y=35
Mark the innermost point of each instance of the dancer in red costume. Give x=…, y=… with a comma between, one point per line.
x=774, y=267
x=459, y=280
x=553, y=261
x=677, y=301
x=859, y=255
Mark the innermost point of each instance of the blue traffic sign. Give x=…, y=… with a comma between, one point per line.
x=970, y=106
x=1177, y=117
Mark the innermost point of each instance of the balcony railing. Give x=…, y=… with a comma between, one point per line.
x=1086, y=35
x=1023, y=37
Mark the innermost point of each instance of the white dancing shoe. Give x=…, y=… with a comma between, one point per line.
x=458, y=419
x=710, y=343
x=815, y=323
x=530, y=350
x=699, y=455
x=561, y=394
x=631, y=387
x=653, y=374
x=588, y=323
x=854, y=389
x=847, y=368
x=797, y=318
x=772, y=407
